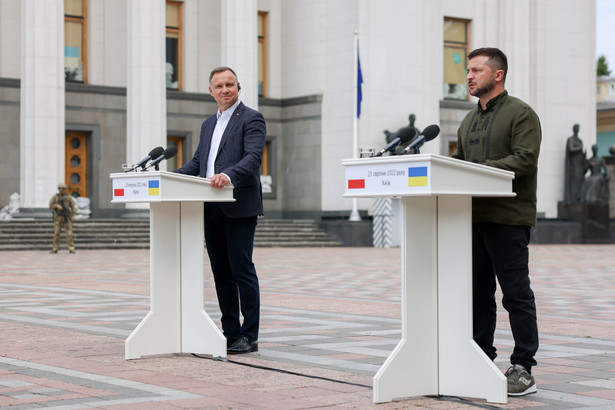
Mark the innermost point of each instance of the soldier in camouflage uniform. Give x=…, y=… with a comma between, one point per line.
x=63, y=207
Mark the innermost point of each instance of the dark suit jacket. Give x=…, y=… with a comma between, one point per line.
x=239, y=156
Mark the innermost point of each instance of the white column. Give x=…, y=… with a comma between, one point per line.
x=42, y=101
x=239, y=46
x=146, y=122
x=515, y=32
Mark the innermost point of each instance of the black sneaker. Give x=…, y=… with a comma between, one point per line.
x=520, y=381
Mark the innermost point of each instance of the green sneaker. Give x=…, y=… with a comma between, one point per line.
x=520, y=381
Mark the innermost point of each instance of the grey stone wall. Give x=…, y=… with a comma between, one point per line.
x=294, y=125
x=99, y=112
x=451, y=115
x=9, y=139
x=293, y=129
x=301, y=163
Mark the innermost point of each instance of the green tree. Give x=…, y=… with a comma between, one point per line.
x=603, y=66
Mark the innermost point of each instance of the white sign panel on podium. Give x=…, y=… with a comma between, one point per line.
x=136, y=189
x=423, y=174
x=163, y=186
x=385, y=177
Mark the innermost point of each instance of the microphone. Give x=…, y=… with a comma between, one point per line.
x=156, y=152
x=404, y=135
x=430, y=132
x=168, y=153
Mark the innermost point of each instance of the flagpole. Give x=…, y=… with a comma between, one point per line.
x=354, y=214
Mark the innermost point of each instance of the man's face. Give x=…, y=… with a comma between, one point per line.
x=480, y=77
x=223, y=87
x=62, y=191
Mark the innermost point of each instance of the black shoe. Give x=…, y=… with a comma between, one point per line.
x=230, y=341
x=243, y=345
x=71, y=251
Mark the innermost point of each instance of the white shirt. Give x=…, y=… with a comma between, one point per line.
x=223, y=119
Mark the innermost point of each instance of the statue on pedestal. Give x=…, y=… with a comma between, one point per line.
x=586, y=199
x=12, y=208
x=574, y=168
x=596, y=185
x=401, y=147
x=390, y=136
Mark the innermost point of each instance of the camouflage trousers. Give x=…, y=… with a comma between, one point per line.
x=68, y=230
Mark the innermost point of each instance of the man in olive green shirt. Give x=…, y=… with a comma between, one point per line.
x=502, y=132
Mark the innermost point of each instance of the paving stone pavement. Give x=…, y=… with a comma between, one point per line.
x=330, y=317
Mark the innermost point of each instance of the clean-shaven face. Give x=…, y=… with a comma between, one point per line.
x=223, y=87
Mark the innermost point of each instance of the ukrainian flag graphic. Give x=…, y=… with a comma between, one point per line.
x=417, y=176
x=153, y=187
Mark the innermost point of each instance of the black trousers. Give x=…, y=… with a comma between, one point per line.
x=501, y=251
x=230, y=242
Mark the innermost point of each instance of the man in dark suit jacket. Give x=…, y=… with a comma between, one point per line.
x=230, y=152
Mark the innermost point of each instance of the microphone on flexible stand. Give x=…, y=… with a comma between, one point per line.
x=155, y=153
x=430, y=132
x=403, y=136
x=168, y=153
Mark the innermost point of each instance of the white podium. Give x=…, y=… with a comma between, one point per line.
x=436, y=354
x=176, y=321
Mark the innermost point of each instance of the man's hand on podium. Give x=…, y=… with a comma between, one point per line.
x=219, y=181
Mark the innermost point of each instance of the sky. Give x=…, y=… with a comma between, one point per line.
x=605, y=31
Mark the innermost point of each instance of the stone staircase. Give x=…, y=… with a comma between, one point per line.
x=292, y=233
x=37, y=234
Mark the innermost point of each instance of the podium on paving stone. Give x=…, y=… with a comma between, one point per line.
x=177, y=321
x=436, y=354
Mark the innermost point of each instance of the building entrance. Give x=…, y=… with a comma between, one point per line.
x=76, y=164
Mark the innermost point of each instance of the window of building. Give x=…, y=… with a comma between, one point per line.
x=262, y=54
x=75, y=40
x=451, y=145
x=265, y=160
x=456, y=48
x=178, y=160
x=174, y=45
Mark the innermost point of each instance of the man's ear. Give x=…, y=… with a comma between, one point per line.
x=499, y=75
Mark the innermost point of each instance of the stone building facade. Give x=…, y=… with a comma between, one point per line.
x=136, y=77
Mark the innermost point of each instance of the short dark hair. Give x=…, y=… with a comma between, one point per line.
x=497, y=59
x=221, y=70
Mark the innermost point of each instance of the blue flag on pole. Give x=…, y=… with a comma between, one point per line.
x=359, y=83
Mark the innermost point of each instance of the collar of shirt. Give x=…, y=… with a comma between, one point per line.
x=223, y=119
x=493, y=102
x=226, y=114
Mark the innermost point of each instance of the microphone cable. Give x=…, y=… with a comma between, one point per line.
x=273, y=369
x=461, y=400
x=328, y=379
